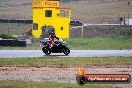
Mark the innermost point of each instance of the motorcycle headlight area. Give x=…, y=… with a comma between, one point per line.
x=64, y=42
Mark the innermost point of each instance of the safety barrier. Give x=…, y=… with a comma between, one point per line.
x=12, y=42
x=26, y=21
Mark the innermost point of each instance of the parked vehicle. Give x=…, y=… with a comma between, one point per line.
x=76, y=23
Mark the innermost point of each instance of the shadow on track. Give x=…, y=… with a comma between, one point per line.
x=55, y=56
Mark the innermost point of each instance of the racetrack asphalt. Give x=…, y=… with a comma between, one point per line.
x=73, y=53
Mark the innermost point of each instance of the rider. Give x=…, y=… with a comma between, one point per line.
x=52, y=37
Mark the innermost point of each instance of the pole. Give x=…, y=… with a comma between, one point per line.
x=82, y=32
x=8, y=24
x=128, y=19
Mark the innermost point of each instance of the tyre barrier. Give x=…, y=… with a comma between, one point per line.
x=12, y=42
x=26, y=21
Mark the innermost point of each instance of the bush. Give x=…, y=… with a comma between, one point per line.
x=127, y=31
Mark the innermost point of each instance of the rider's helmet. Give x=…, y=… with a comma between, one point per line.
x=52, y=34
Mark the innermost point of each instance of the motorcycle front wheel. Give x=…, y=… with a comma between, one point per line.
x=66, y=50
x=46, y=50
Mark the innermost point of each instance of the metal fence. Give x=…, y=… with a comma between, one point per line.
x=21, y=26
x=116, y=19
x=15, y=26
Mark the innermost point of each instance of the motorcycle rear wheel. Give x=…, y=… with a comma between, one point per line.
x=46, y=50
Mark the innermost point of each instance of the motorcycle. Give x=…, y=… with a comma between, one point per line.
x=60, y=47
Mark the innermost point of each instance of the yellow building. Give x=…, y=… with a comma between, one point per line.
x=47, y=12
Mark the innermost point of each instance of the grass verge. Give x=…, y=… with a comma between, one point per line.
x=100, y=43
x=86, y=44
x=68, y=61
x=21, y=84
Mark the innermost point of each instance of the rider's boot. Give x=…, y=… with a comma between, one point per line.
x=51, y=46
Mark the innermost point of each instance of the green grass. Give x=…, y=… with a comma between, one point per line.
x=21, y=84
x=68, y=61
x=87, y=44
x=100, y=43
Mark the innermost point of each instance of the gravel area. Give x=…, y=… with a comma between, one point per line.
x=60, y=75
